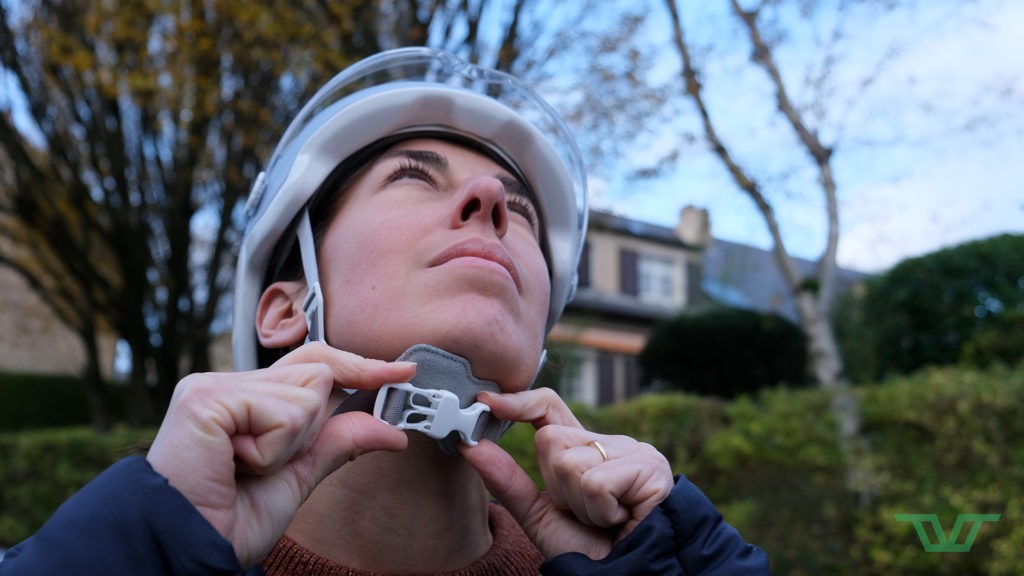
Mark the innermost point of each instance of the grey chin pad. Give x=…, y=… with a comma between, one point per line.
x=439, y=369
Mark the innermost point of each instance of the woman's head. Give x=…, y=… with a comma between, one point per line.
x=432, y=243
x=429, y=107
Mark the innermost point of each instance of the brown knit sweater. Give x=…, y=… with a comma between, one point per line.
x=511, y=553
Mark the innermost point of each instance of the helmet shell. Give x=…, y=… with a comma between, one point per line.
x=414, y=91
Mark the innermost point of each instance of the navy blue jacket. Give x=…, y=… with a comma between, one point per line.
x=130, y=521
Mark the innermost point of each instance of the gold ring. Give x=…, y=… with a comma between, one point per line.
x=600, y=448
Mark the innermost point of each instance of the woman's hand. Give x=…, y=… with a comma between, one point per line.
x=246, y=449
x=594, y=498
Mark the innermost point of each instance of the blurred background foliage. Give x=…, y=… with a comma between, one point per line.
x=944, y=440
x=960, y=305
x=725, y=352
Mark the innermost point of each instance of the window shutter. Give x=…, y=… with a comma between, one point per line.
x=627, y=272
x=634, y=376
x=584, y=268
x=605, y=378
x=693, y=284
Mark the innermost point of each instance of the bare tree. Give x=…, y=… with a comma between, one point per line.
x=144, y=125
x=142, y=128
x=813, y=294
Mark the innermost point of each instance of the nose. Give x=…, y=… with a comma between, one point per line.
x=482, y=201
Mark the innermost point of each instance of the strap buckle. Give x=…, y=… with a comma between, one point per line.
x=433, y=412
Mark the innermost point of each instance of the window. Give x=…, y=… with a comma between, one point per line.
x=656, y=280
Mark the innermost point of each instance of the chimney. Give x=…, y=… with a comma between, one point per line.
x=694, y=227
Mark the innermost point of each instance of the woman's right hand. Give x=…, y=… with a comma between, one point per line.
x=247, y=448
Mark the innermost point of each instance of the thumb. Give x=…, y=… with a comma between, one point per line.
x=506, y=481
x=348, y=435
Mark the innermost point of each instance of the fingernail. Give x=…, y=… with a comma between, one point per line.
x=405, y=364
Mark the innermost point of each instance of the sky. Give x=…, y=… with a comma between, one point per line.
x=912, y=178
x=929, y=155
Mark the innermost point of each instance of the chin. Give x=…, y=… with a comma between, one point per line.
x=501, y=346
x=507, y=357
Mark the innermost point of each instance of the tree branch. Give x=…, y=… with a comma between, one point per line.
x=819, y=153
x=740, y=176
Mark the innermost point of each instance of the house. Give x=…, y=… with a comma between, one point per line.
x=634, y=274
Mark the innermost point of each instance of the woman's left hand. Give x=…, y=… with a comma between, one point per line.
x=595, y=496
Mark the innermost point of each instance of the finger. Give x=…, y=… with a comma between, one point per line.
x=624, y=489
x=645, y=480
x=506, y=482
x=574, y=464
x=346, y=436
x=540, y=407
x=600, y=490
x=350, y=370
x=273, y=427
x=554, y=438
x=564, y=456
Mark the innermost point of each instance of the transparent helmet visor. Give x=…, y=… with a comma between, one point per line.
x=435, y=66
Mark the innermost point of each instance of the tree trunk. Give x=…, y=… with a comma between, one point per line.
x=826, y=365
x=99, y=416
x=811, y=295
x=200, y=354
x=140, y=402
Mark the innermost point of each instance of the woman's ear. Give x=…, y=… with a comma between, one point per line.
x=280, y=322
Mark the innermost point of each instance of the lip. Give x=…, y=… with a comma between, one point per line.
x=479, y=248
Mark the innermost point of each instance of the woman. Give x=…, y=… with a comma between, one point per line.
x=418, y=208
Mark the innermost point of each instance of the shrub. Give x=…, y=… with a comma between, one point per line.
x=42, y=468
x=725, y=352
x=49, y=401
x=960, y=304
x=943, y=441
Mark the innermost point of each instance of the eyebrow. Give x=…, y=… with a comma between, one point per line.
x=432, y=159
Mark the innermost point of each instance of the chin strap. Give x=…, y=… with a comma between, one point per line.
x=439, y=401
x=313, y=304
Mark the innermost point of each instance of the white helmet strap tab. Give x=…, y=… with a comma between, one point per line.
x=313, y=305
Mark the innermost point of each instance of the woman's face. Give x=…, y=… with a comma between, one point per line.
x=436, y=243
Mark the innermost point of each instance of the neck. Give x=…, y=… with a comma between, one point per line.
x=415, y=511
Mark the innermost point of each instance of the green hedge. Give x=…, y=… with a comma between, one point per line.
x=39, y=469
x=943, y=441
x=725, y=352
x=49, y=401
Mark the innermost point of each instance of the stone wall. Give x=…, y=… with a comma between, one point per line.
x=33, y=339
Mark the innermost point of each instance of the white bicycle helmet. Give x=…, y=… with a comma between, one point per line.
x=394, y=94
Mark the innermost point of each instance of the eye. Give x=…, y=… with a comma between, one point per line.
x=521, y=205
x=412, y=169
